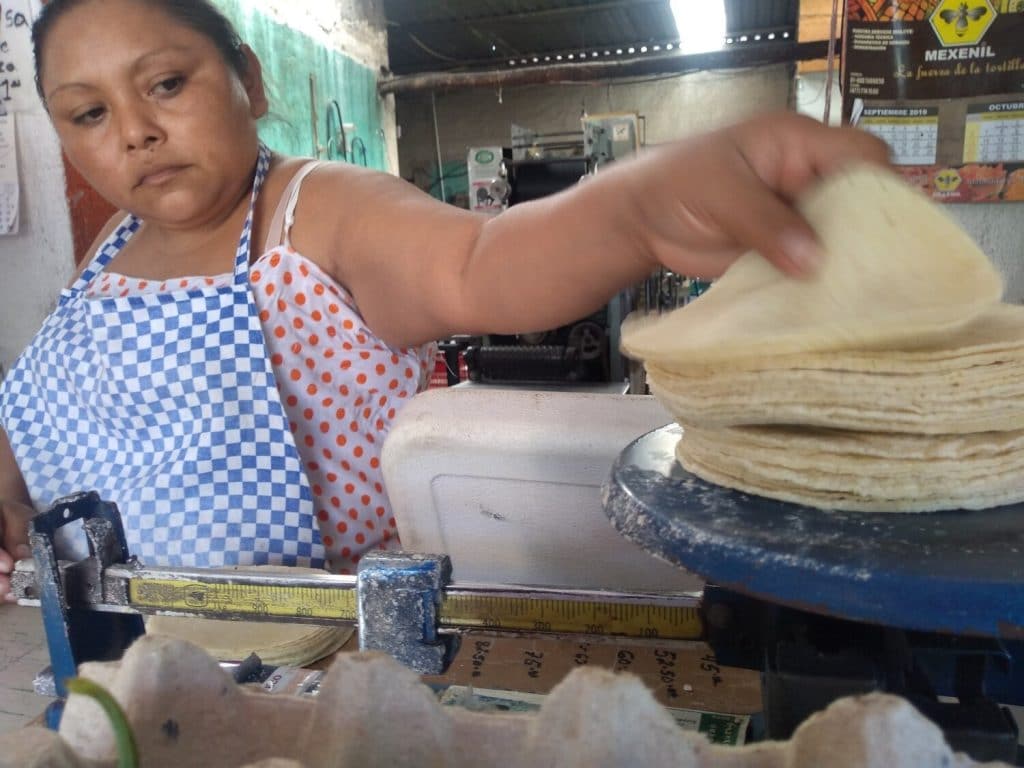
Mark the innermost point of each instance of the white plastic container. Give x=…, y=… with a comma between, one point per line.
x=506, y=481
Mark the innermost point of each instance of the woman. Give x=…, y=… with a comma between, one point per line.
x=232, y=398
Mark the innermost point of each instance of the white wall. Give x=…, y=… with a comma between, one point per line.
x=37, y=262
x=811, y=89
x=998, y=228
x=674, y=107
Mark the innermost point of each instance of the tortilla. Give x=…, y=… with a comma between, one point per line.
x=897, y=272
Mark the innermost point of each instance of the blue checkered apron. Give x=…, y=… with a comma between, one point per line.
x=167, y=405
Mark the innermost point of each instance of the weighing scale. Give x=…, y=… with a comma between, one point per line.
x=403, y=603
x=824, y=604
x=828, y=604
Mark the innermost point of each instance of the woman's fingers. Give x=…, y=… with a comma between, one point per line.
x=14, y=520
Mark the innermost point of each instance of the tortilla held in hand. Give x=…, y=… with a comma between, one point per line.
x=897, y=272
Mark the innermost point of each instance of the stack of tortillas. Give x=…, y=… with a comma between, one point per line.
x=891, y=381
x=275, y=643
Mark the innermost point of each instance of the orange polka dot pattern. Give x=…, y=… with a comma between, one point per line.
x=340, y=385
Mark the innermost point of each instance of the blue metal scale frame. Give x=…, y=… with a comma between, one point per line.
x=956, y=572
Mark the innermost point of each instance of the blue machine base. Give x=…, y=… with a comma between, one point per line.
x=955, y=572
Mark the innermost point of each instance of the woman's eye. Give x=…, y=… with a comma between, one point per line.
x=89, y=117
x=168, y=86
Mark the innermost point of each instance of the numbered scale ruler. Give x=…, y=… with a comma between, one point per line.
x=325, y=599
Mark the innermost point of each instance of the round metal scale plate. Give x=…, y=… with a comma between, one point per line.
x=958, y=572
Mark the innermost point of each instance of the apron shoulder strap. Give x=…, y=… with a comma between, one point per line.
x=108, y=249
x=242, y=255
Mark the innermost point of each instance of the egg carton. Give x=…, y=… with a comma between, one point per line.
x=371, y=711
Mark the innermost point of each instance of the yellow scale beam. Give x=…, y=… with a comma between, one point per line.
x=513, y=613
x=244, y=599
x=593, y=617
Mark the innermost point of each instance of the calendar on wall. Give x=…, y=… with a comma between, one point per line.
x=994, y=133
x=942, y=83
x=912, y=133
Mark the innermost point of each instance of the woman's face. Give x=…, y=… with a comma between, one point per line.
x=150, y=113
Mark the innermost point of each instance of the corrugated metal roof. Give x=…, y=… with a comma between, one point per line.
x=434, y=35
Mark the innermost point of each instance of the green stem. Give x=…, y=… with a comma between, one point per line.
x=127, y=752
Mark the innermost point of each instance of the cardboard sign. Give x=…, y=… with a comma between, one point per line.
x=682, y=675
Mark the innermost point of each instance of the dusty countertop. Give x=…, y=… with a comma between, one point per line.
x=23, y=655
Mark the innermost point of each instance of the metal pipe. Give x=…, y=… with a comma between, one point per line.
x=312, y=113
x=437, y=144
x=737, y=56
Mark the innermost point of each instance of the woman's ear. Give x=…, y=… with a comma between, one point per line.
x=253, y=82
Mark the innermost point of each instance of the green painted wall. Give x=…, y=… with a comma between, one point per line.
x=289, y=58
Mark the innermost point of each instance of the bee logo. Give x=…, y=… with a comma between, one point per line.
x=962, y=22
x=947, y=180
x=962, y=17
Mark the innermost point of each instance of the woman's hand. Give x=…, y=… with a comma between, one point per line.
x=14, y=520
x=706, y=201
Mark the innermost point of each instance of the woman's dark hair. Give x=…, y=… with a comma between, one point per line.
x=200, y=15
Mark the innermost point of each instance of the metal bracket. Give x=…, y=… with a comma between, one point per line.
x=399, y=606
x=75, y=635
